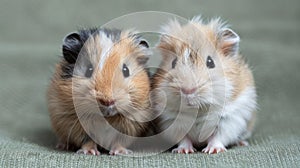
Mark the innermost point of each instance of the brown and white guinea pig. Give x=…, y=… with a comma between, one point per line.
x=204, y=79
x=100, y=90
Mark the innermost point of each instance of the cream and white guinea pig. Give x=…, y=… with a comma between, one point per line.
x=100, y=89
x=203, y=78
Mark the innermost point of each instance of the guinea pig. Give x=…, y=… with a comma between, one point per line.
x=205, y=85
x=100, y=91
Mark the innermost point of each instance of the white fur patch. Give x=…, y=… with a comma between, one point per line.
x=170, y=27
x=197, y=19
x=106, y=45
x=233, y=118
x=227, y=123
x=186, y=54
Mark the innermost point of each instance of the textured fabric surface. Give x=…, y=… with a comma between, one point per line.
x=30, y=41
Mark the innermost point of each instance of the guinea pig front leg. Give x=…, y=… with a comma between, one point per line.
x=228, y=132
x=89, y=148
x=185, y=146
x=118, y=149
x=214, y=145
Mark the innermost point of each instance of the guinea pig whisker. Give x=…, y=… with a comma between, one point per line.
x=167, y=78
x=134, y=108
x=175, y=88
x=126, y=112
x=201, y=85
x=160, y=75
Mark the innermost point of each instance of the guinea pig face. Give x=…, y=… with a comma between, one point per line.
x=122, y=83
x=193, y=64
x=110, y=70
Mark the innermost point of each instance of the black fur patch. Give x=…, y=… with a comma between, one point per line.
x=74, y=42
x=113, y=34
x=71, y=49
x=67, y=70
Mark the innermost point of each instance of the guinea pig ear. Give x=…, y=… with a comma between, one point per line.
x=143, y=43
x=72, y=45
x=142, y=60
x=228, y=42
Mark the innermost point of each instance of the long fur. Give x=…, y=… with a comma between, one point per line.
x=72, y=97
x=221, y=111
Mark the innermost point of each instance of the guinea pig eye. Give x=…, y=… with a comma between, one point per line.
x=210, y=62
x=125, y=71
x=174, y=63
x=89, y=71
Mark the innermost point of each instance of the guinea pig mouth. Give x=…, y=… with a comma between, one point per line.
x=108, y=111
x=194, y=102
x=191, y=101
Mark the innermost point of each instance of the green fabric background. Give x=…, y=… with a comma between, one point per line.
x=30, y=39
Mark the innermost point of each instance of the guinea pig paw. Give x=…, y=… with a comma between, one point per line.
x=213, y=149
x=61, y=146
x=88, y=151
x=242, y=143
x=120, y=151
x=184, y=150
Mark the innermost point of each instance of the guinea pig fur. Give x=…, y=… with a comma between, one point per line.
x=203, y=71
x=100, y=89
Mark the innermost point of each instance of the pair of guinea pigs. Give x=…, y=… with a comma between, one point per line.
x=202, y=95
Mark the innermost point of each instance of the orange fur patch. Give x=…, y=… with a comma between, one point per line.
x=108, y=81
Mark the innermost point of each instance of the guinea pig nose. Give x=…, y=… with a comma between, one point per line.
x=106, y=102
x=188, y=91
